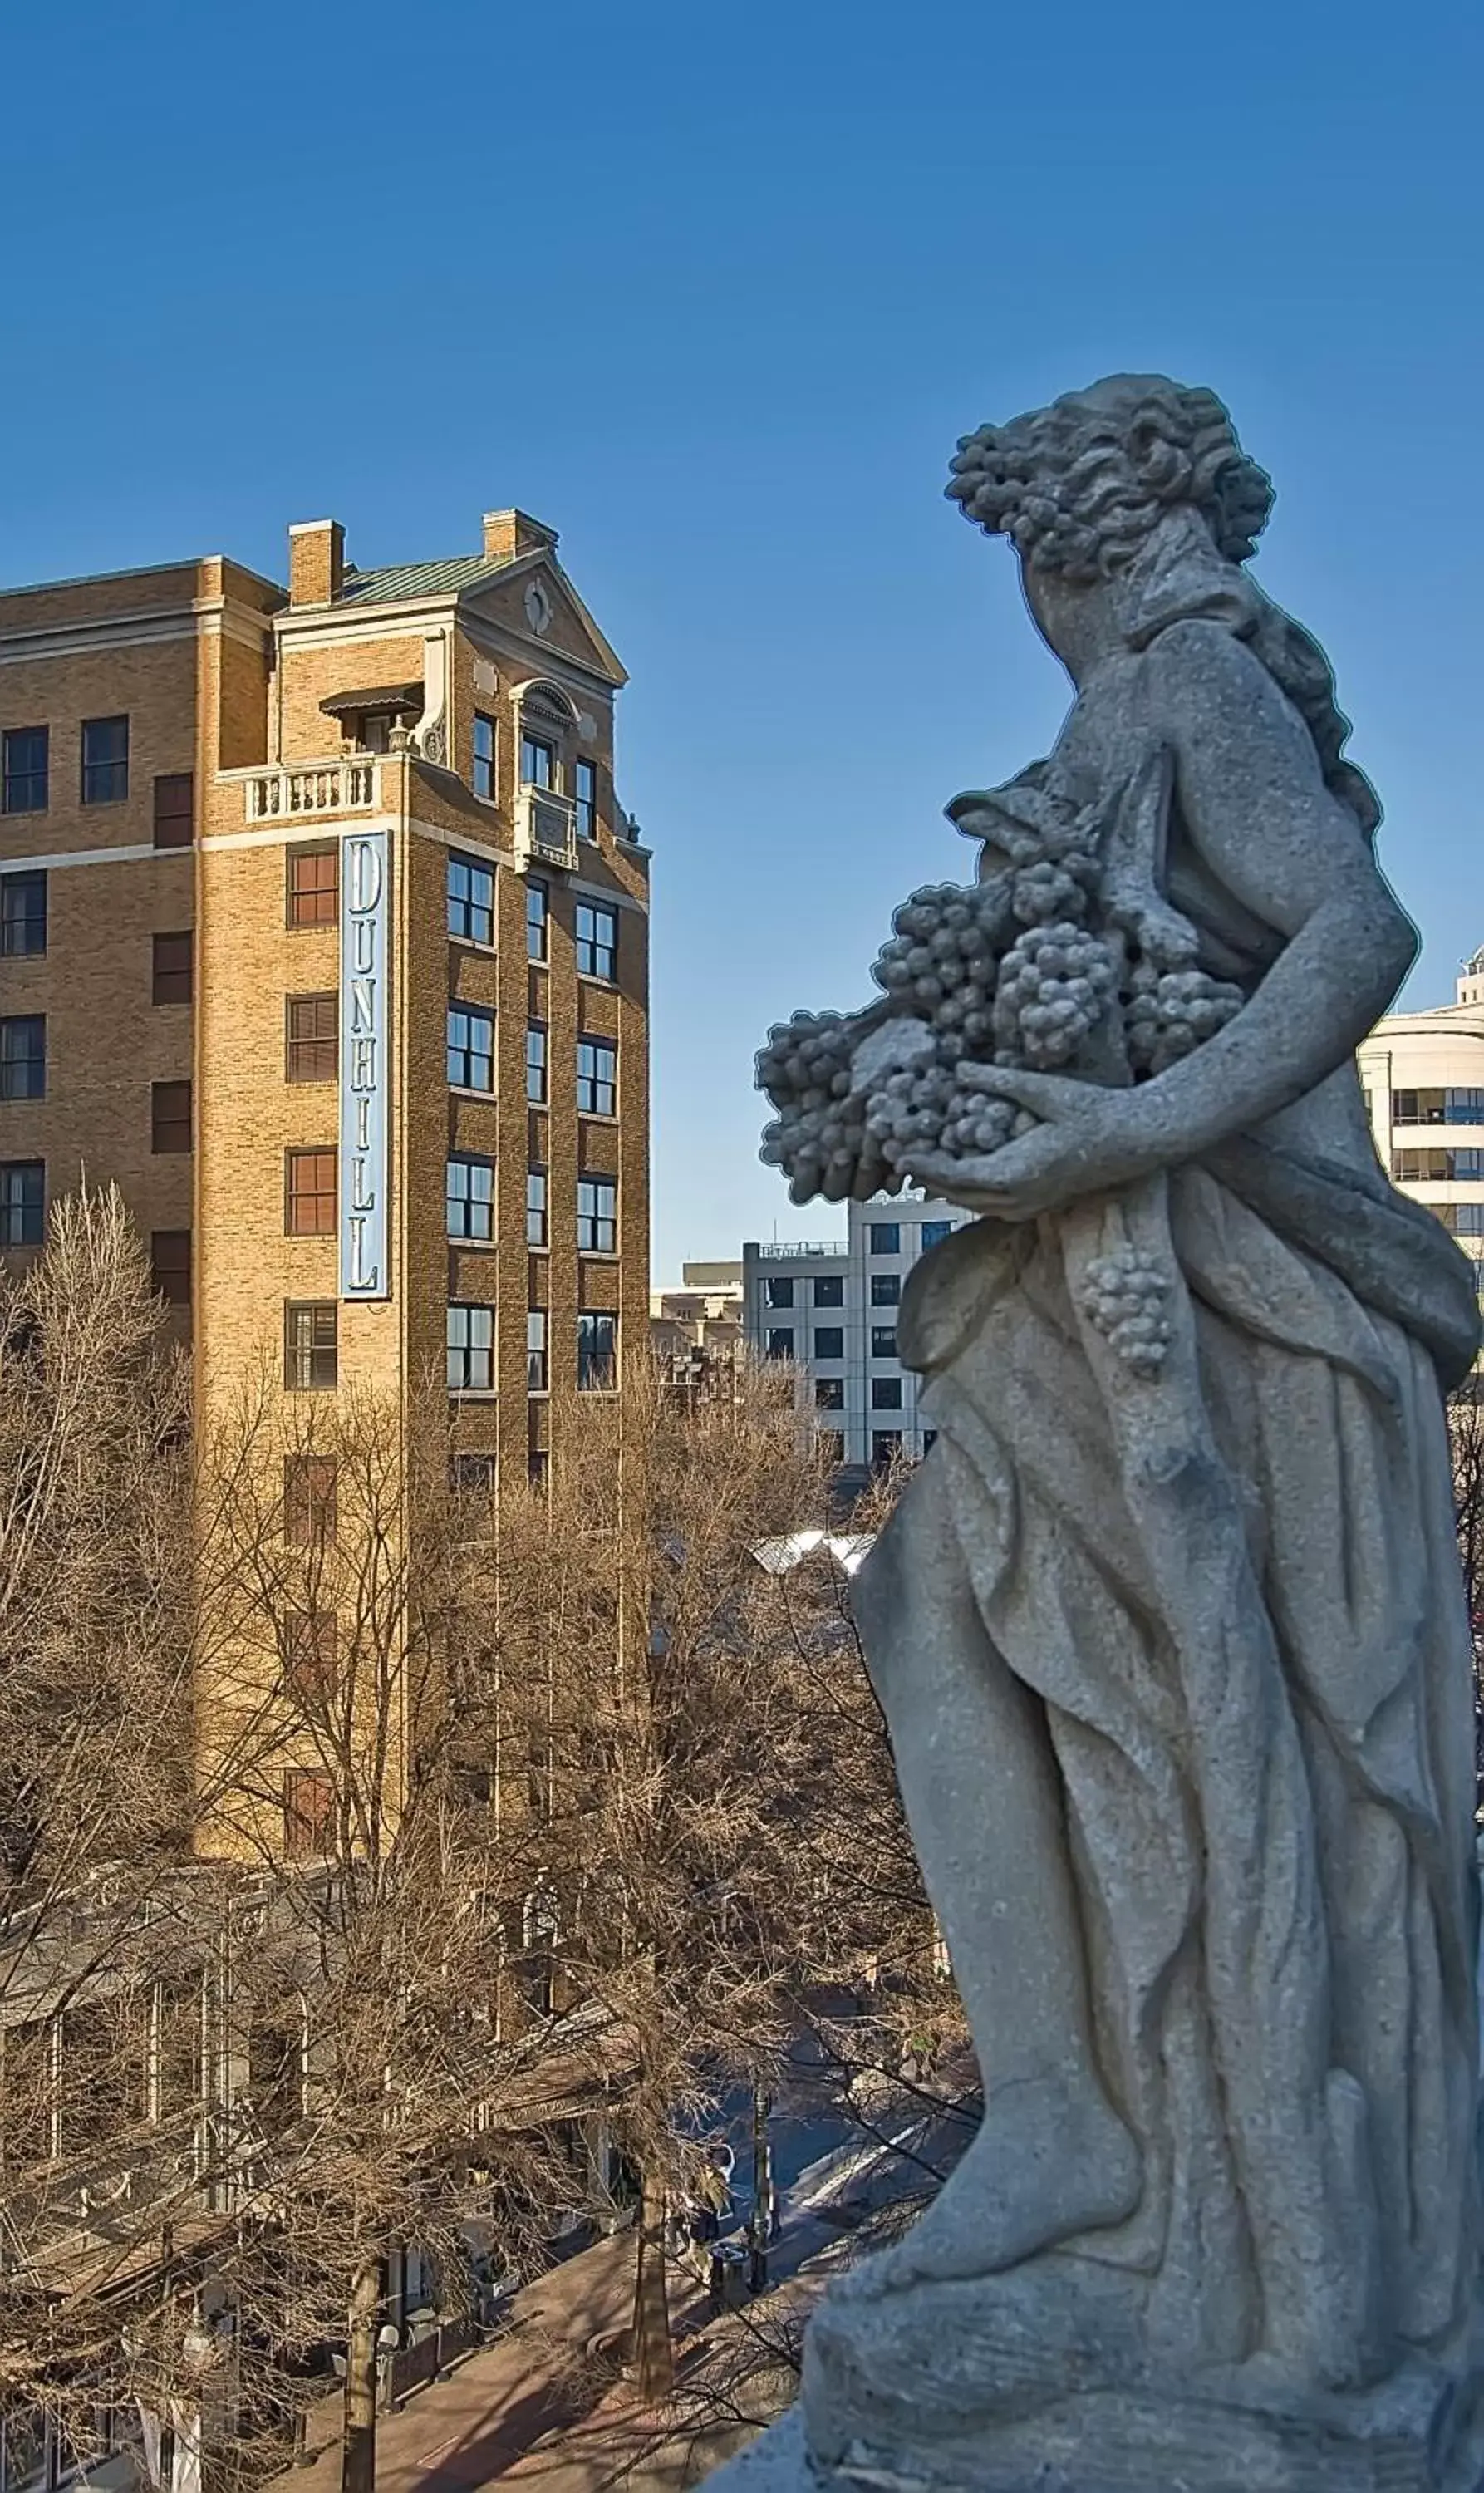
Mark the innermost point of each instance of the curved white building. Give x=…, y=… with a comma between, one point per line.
x=1423, y=1075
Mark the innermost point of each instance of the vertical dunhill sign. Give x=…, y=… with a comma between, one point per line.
x=365, y=919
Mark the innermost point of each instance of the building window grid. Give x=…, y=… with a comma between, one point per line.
x=311, y=1038
x=25, y=774
x=470, y=1048
x=309, y=1193
x=470, y=900
x=597, y=1352
x=597, y=941
x=470, y=1349
x=597, y=1216
x=469, y=1195
x=312, y=878
x=536, y=1207
x=584, y=790
x=597, y=1077
x=23, y=1056
x=311, y=1345
x=104, y=761
x=23, y=913
x=536, y=1064
x=22, y=1200
x=169, y=1116
x=485, y=748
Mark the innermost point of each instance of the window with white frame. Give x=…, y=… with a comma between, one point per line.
x=470, y=1349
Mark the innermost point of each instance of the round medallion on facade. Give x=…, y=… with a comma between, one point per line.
x=538, y=607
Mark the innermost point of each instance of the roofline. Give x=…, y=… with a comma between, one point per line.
x=138, y=571
x=341, y=609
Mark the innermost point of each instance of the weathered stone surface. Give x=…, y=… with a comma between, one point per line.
x=1169, y=1628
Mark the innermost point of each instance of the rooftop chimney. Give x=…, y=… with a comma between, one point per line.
x=317, y=561
x=511, y=533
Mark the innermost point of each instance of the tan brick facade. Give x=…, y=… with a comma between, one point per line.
x=224, y=677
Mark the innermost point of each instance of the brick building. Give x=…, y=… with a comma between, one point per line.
x=322, y=932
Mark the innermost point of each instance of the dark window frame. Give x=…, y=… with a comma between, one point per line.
x=538, y=1068
x=23, y=882
x=833, y=1285
x=884, y=1238
x=538, y=1327
x=171, y=975
x=19, y=781
x=538, y=1215
x=586, y=800
x=311, y=1345
x=22, y=1067
x=468, y=1351
x=538, y=920
x=593, y=1084
x=597, y=1375
x=482, y=777
x=22, y=1203
x=467, y=913
x=469, y=1053
x=174, y=820
x=829, y=1342
x=883, y=1341
x=170, y=1107
x=311, y=1055
x=829, y=1394
x=170, y=1266
x=886, y=1394
x=104, y=777
x=778, y=1290
x=595, y=1221
x=471, y=1202
x=780, y=1341
x=592, y=948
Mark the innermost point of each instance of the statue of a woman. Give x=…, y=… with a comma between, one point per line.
x=1168, y=1625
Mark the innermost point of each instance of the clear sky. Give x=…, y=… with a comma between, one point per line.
x=714, y=290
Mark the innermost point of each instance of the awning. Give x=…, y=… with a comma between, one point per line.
x=376, y=697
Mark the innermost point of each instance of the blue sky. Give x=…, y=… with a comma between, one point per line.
x=714, y=291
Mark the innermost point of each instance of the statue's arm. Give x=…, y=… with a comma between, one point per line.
x=1256, y=807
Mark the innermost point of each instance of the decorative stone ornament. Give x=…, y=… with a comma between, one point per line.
x=1168, y=1627
x=538, y=607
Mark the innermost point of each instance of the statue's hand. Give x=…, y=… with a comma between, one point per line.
x=1089, y=1140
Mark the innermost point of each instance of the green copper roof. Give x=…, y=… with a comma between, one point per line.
x=400, y=580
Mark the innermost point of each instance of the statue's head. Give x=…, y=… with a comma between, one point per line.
x=1082, y=487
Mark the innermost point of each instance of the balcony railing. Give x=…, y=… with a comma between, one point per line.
x=546, y=828
x=307, y=787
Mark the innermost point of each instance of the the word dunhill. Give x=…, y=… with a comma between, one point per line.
x=365, y=929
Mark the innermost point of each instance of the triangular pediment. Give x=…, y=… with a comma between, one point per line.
x=533, y=600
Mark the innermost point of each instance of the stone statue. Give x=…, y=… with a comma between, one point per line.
x=1168, y=1627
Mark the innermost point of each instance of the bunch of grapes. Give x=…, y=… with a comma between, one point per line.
x=1168, y=1013
x=940, y=963
x=1124, y=1295
x=818, y=1138
x=927, y=1109
x=1055, y=983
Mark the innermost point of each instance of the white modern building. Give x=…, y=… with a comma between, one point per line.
x=1423, y=1076
x=832, y=1309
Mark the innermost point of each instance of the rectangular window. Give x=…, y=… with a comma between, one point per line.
x=470, y=1048
x=597, y=941
x=1463, y=1107
x=538, y=763
x=22, y=1187
x=597, y=1216
x=174, y=797
x=886, y=1392
x=885, y=1289
x=536, y=1351
x=23, y=1057
x=830, y=1290
x=885, y=1238
x=311, y=1654
x=169, y=1265
x=829, y=1393
x=309, y=1832
x=536, y=1064
x=170, y=969
x=536, y=1207
x=104, y=761
x=1438, y=1167
x=309, y=1194
x=885, y=1447
x=311, y=1498
x=470, y=900
x=597, y=1077
x=23, y=913
x=313, y=886
x=781, y=1341
x=469, y=1190
x=311, y=1345
x=470, y=1349
x=1465, y=1220
x=933, y=1232
x=169, y=1116
x=597, y=1353
x=472, y=1475
x=584, y=789
x=483, y=755
x=781, y=1294
x=23, y=782
x=311, y=1038
x=538, y=906
x=829, y=1342
x=883, y=1341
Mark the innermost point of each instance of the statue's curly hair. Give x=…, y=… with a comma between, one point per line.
x=1080, y=484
